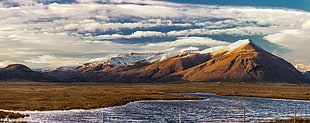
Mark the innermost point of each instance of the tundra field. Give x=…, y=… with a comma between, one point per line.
x=38, y=96
x=41, y=96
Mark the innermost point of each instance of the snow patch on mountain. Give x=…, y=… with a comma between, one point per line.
x=302, y=67
x=229, y=48
x=149, y=58
x=62, y=68
x=238, y=44
x=212, y=49
x=189, y=49
x=125, y=59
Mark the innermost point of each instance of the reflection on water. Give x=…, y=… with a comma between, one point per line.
x=215, y=109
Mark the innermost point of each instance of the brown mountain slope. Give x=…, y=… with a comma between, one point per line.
x=173, y=64
x=102, y=72
x=239, y=61
x=245, y=63
x=19, y=72
x=137, y=72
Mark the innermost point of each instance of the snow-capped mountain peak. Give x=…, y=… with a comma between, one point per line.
x=229, y=48
x=125, y=59
x=238, y=44
x=212, y=49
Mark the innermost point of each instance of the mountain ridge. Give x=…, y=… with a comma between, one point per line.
x=240, y=61
x=247, y=62
x=19, y=72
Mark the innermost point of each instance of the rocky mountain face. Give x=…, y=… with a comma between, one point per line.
x=307, y=75
x=19, y=72
x=89, y=71
x=247, y=62
x=239, y=61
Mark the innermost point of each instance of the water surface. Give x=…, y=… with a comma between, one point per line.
x=215, y=109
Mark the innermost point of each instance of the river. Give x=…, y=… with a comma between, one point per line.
x=215, y=108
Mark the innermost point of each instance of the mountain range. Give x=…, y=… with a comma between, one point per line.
x=240, y=61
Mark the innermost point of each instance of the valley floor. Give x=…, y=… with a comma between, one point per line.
x=41, y=96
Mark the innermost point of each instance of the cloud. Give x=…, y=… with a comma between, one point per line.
x=97, y=59
x=306, y=25
x=137, y=34
x=141, y=34
x=48, y=61
x=93, y=26
x=7, y=62
x=227, y=31
x=297, y=41
x=42, y=59
x=38, y=33
x=187, y=42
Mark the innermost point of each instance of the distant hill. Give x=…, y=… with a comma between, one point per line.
x=19, y=72
x=239, y=61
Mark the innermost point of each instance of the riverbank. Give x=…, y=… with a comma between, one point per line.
x=11, y=115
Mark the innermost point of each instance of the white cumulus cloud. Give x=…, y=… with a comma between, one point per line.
x=297, y=41
x=37, y=34
x=188, y=41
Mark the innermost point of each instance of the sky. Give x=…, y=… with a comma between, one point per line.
x=53, y=33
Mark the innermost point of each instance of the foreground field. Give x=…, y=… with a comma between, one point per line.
x=62, y=97
x=297, y=120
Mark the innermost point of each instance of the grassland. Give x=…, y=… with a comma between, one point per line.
x=34, y=96
x=11, y=115
x=297, y=120
x=90, y=96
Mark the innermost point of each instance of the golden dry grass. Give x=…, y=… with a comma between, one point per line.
x=60, y=97
x=297, y=120
x=11, y=115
